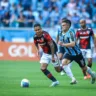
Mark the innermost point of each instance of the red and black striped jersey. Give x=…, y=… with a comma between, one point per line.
x=44, y=41
x=84, y=37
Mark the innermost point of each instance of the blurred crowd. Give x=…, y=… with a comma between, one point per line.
x=23, y=13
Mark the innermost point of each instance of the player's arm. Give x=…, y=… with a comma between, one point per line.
x=77, y=36
x=57, y=38
x=72, y=41
x=36, y=44
x=50, y=42
x=94, y=39
x=37, y=47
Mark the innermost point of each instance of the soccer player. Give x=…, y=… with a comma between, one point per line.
x=61, y=52
x=68, y=41
x=42, y=39
x=84, y=35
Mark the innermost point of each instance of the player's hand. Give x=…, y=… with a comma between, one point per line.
x=38, y=54
x=53, y=59
x=60, y=43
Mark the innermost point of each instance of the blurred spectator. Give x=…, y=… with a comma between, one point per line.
x=5, y=4
x=21, y=20
x=6, y=19
x=30, y=19
x=94, y=21
x=89, y=10
x=13, y=20
x=75, y=19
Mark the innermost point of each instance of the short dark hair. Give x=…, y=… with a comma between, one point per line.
x=37, y=24
x=67, y=21
x=63, y=19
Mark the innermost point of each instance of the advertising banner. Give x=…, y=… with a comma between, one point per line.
x=18, y=51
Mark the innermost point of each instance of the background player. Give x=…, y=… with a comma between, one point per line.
x=73, y=52
x=49, y=48
x=84, y=35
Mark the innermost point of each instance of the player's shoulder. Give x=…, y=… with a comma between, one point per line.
x=90, y=29
x=79, y=29
x=35, y=36
x=45, y=33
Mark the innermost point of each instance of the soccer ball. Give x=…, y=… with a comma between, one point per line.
x=25, y=83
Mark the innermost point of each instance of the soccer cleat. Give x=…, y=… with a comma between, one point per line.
x=93, y=78
x=73, y=81
x=85, y=77
x=54, y=84
x=62, y=73
x=88, y=76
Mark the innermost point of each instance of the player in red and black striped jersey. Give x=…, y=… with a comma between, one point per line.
x=49, y=47
x=84, y=35
x=44, y=41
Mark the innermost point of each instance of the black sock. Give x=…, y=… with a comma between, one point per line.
x=49, y=75
x=89, y=65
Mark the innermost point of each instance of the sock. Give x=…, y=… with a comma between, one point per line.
x=84, y=72
x=49, y=75
x=89, y=71
x=89, y=65
x=70, y=65
x=60, y=61
x=68, y=71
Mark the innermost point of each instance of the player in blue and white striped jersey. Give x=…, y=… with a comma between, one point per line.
x=61, y=52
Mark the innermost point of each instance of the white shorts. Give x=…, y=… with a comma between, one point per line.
x=47, y=59
x=87, y=53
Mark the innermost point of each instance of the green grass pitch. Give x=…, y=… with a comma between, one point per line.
x=12, y=72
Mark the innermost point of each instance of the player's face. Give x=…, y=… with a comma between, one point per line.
x=83, y=23
x=65, y=26
x=38, y=30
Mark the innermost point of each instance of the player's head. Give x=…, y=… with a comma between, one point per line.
x=66, y=24
x=38, y=29
x=63, y=19
x=83, y=23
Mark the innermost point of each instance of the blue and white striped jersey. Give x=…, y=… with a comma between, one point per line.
x=68, y=37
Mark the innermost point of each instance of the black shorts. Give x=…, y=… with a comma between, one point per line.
x=78, y=58
x=61, y=49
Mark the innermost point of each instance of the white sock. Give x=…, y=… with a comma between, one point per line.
x=68, y=71
x=60, y=61
x=70, y=65
x=89, y=71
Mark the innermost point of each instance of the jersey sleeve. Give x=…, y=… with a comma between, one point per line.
x=35, y=42
x=77, y=34
x=91, y=32
x=72, y=36
x=48, y=37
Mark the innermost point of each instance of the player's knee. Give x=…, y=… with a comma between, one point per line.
x=84, y=68
x=43, y=69
x=90, y=61
x=58, y=69
x=65, y=62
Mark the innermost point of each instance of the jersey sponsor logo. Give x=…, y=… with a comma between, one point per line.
x=42, y=44
x=84, y=37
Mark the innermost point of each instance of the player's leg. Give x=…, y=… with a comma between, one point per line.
x=89, y=57
x=81, y=61
x=60, y=56
x=84, y=71
x=45, y=60
x=67, y=59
